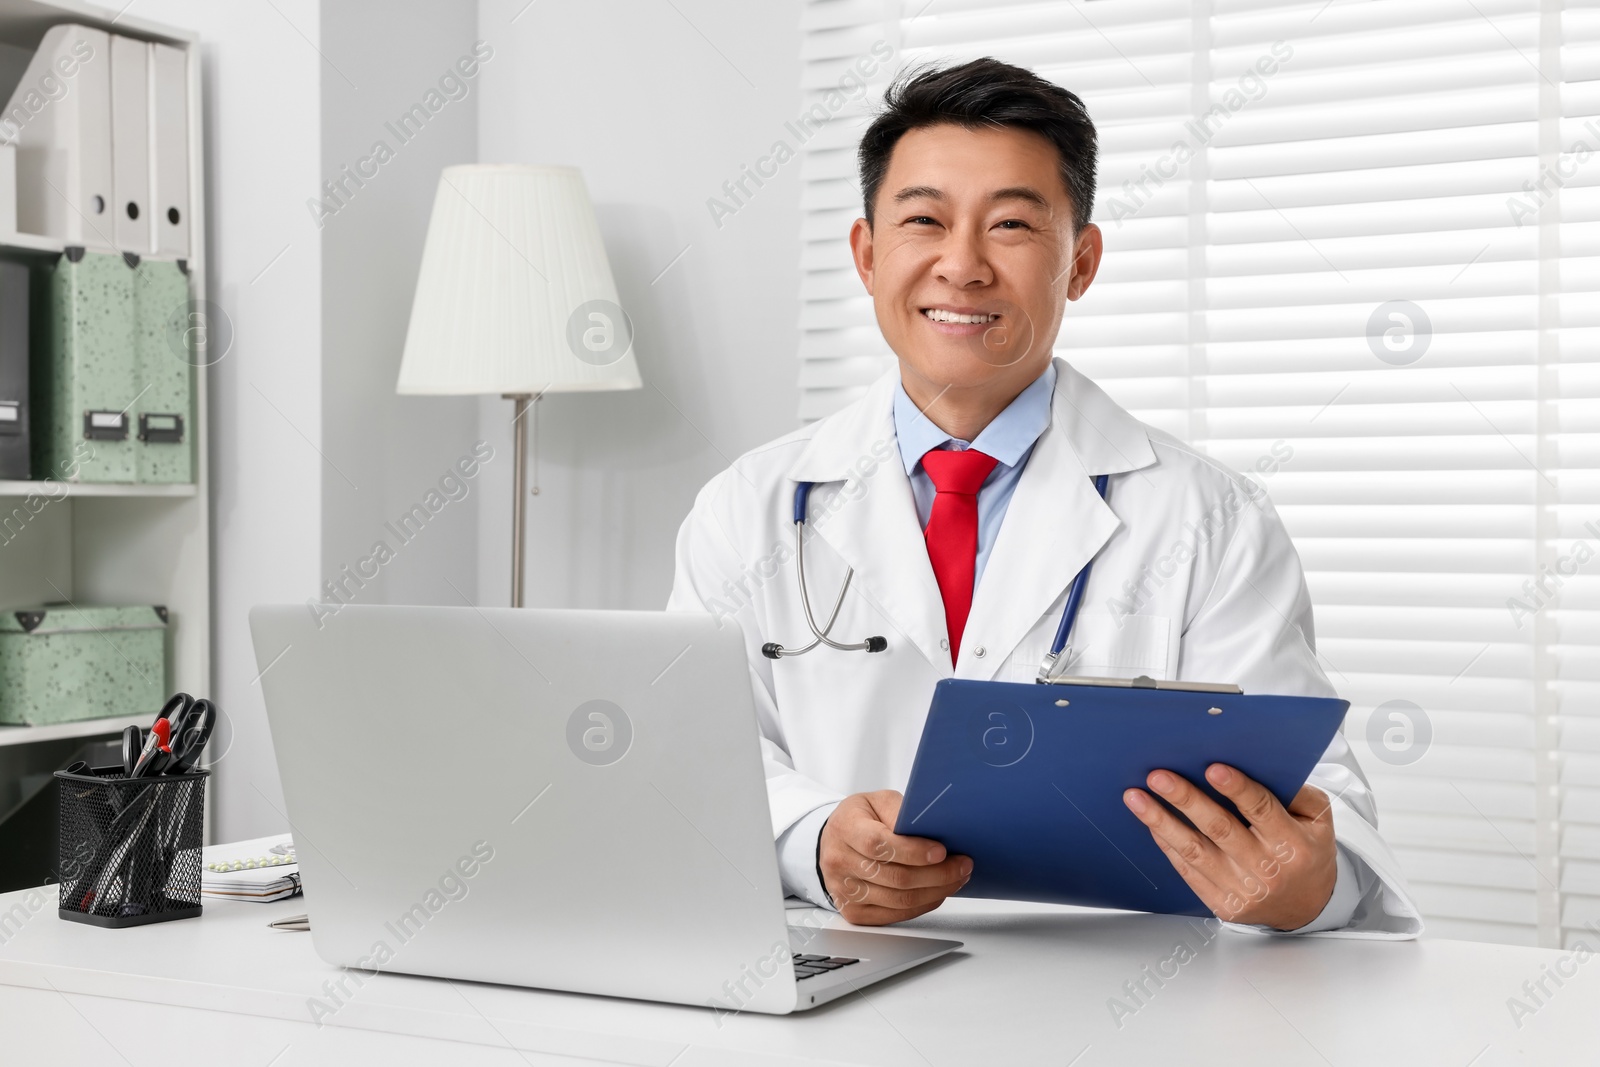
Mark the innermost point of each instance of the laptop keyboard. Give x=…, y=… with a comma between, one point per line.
x=809, y=966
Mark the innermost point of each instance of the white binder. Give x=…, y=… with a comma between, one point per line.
x=130, y=143
x=63, y=139
x=169, y=151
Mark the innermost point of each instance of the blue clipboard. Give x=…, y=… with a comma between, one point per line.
x=1027, y=779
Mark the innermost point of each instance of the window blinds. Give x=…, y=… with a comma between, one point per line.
x=1570, y=399
x=1353, y=251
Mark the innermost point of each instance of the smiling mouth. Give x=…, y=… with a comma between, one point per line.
x=940, y=315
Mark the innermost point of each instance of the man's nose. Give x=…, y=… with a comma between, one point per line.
x=961, y=262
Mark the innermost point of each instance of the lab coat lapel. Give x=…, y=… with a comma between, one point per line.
x=1055, y=522
x=877, y=532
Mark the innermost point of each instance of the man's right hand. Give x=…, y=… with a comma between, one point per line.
x=876, y=876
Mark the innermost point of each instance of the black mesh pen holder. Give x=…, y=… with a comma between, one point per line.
x=130, y=847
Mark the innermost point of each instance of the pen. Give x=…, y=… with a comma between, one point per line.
x=160, y=733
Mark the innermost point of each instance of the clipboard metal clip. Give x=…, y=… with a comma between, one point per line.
x=1143, y=681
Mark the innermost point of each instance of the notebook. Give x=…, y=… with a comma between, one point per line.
x=261, y=869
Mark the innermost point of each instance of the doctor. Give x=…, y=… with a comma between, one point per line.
x=957, y=498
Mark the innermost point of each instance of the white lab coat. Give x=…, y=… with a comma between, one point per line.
x=1194, y=578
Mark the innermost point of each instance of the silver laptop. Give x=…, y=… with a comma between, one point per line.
x=570, y=800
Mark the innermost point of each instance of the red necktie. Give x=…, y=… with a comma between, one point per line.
x=952, y=533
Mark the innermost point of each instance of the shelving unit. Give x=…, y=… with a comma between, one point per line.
x=107, y=543
x=71, y=489
x=28, y=242
x=28, y=735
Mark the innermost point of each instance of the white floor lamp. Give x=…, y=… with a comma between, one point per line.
x=515, y=297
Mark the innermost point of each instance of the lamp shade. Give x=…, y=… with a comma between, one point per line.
x=515, y=294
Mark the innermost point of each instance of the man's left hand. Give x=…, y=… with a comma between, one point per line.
x=1278, y=871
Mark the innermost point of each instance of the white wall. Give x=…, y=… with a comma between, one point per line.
x=386, y=452
x=658, y=104
x=262, y=73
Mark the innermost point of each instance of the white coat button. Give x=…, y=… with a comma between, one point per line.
x=980, y=651
x=944, y=643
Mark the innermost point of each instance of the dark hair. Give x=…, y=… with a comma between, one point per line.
x=984, y=92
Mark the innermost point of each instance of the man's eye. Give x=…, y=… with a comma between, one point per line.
x=921, y=219
x=1015, y=224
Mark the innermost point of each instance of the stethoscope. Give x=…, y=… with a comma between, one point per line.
x=773, y=650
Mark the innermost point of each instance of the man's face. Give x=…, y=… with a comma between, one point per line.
x=972, y=256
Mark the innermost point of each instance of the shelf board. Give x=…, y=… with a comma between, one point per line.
x=13, y=489
x=30, y=242
x=25, y=735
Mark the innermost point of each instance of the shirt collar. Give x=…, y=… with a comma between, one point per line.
x=1007, y=438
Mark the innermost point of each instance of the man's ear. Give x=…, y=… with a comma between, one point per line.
x=1087, y=247
x=861, y=251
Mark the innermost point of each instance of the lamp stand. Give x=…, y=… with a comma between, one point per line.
x=525, y=413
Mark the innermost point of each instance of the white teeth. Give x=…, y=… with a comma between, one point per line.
x=940, y=315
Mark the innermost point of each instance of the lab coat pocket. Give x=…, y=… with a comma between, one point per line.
x=1023, y=665
x=1124, y=647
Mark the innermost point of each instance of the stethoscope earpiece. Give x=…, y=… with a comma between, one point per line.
x=773, y=650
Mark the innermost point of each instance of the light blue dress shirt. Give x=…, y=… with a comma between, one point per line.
x=1009, y=439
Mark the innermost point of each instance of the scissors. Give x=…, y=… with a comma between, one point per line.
x=132, y=743
x=175, y=740
x=192, y=722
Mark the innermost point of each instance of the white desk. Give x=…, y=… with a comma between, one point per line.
x=1032, y=986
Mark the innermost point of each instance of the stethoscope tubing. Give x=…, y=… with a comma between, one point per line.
x=820, y=635
x=1069, y=615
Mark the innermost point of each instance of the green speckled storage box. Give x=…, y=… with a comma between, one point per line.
x=61, y=664
x=84, y=374
x=163, y=417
